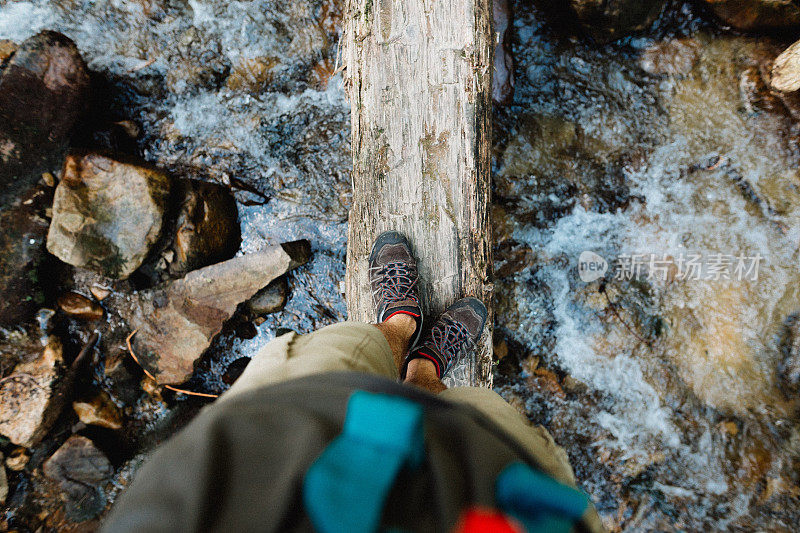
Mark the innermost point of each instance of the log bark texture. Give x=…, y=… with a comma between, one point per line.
x=419, y=78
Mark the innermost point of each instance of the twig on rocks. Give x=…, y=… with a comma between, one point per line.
x=151, y=376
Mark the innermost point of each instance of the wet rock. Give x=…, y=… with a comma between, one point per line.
x=786, y=70
x=7, y=49
x=207, y=227
x=23, y=231
x=608, y=20
x=789, y=365
x=80, y=469
x=674, y=57
x=503, y=80
x=757, y=14
x=100, y=292
x=252, y=75
x=79, y=306
x=234, y=370
x=547, y=382
x=43, y=92
x=30, y=397
x=49, y=179
x=107, y=214
x=17, y=459
x=99, y=411
x=177, y=321
x=270, y=299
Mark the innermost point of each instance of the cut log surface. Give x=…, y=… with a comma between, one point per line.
x=419, y=78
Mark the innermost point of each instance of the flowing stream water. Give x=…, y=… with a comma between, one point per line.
x=663, y=389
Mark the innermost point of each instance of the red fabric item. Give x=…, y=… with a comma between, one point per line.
x=482, y=520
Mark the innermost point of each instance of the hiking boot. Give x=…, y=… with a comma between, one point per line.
x=393, y=278
x=453, y=336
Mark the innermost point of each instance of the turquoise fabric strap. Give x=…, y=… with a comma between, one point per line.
x=346, y=487
x=542, y=504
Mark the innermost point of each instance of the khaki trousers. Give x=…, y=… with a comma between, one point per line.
x=359, y=347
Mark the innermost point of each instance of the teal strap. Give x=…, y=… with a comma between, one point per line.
x=542, y=504
x=345, y=489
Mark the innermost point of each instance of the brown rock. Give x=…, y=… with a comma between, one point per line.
x=757, y=14
x=547, y=381
x=7, y=49
x=17, y=459
x=100, y=292
x=43, y=92
x=500, y=349
x=608, y=20
x=178, y=320
x=99, y=411
x=207, y=228
x=80, y=469
x=270, y=299
x=30, y=398
x=676, y=56
x=79, y=306
x=252, y=75
x=106, y=214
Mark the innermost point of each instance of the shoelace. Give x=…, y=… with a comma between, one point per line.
x=451, y=340
x=397, y=281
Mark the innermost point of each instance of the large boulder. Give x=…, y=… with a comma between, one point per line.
x=107, y=214
x=23, y=231
x=750, y=15
x=31, y=396
x=207, y=229
x=43, y=91
x=176, y=322
x=608, y=20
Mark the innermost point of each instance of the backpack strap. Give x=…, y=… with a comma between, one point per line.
x=538, y=501
x=357, y=470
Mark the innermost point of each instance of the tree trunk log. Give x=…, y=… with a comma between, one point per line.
x=419, y=78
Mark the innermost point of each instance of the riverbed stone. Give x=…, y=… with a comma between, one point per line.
x=80, y=470
x=43, y=92
x=98, y=411
x=207, y=229
x=7, y=49
x=750, y=15
x=30, y=397
x=270, y=299
x=79, y=306
x=672, y=57
x=107, y=214
x=609, y=20
x=177, y=321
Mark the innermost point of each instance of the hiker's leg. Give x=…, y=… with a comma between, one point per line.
x=345, y=346
x=535, y=439
x=398, y=331
x=421, y=373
